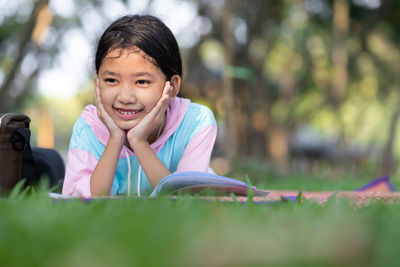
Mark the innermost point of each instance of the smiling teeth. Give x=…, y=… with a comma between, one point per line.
x=128, y=112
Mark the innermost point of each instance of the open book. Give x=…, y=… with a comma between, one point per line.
x=197, y=182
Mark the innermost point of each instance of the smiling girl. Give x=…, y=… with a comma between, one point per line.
x=139, y=131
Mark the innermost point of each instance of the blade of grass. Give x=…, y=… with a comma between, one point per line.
x=17, y=190
x=250, y=192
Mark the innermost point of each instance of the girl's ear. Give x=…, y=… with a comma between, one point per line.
x=176, y=83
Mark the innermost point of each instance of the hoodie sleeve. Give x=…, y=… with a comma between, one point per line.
x=84, y=151
x=197, y=154
x=202, y=129
x=79, y=168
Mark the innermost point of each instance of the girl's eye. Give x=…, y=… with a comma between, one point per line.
x=143, y=82
x=111, y=80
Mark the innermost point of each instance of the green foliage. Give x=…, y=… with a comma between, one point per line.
x=8, y=28
x=256, y=170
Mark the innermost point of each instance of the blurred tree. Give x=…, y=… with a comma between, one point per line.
x=8, y=94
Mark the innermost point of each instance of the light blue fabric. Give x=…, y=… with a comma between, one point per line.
x=196, y=119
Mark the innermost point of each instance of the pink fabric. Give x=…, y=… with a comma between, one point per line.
x=77, y=179
x=196, y=156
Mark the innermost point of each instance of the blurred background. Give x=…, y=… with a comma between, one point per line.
x=297, y=86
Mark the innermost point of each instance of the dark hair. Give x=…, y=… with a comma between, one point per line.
x=147, y=33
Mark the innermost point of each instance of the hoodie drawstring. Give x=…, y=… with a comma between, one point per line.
x=129, y=176
x=129, y=173
x=139, y=181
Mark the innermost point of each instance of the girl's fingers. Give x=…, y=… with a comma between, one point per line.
x=166, y=88
x=163, y=102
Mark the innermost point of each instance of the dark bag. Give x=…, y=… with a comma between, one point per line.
x=17, y=159
x=48, y=163
x=14, y=149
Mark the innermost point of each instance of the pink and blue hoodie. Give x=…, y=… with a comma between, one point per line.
x=185, y=144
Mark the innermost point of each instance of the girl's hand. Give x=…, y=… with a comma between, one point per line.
x=152, y=120
x=114, y=130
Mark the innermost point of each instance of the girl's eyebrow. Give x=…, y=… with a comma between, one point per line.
x=143, y=73
x=137, y=74
x=108, y=72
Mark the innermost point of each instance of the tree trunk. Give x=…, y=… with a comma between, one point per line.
x=339, y=52
x=230, y=127
x=338, y=84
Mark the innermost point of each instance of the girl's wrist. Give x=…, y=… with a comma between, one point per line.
x=136, y=144
x=117, y=140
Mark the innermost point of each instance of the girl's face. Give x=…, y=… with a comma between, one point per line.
x=130, y=86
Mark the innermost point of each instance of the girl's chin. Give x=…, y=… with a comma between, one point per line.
x=126, y=125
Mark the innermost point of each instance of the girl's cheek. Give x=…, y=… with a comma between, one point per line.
x=105, y=97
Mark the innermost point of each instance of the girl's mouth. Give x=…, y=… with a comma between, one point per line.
x=128, y=114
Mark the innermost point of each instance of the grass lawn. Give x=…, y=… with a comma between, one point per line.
x=38, y=231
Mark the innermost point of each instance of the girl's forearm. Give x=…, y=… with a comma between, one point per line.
x=103, y=175
x=153, y=167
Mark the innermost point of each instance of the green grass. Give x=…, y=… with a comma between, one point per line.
x=38, y=231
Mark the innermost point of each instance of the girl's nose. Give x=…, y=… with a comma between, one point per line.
x=127, y=95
